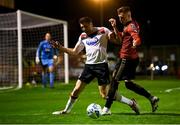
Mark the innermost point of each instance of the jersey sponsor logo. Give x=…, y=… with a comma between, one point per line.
x=134, y=28
x=47, y=48
x=92, y=42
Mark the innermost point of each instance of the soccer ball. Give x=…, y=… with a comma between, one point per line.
x=94, y=110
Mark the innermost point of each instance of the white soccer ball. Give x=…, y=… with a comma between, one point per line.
x=94, y=110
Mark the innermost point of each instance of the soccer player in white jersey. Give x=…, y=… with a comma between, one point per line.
x=94, y=40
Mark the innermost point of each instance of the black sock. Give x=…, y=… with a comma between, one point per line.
x=111, y=93
x=137, y=89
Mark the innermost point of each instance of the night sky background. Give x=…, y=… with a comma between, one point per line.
x=158, y=19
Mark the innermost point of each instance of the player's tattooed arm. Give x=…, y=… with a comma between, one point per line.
x=56, y=44
x=116, y=32
x=71, y=51
x=113, y=39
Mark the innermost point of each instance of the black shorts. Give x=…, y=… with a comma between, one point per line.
x=99, y=71
x=125, y=69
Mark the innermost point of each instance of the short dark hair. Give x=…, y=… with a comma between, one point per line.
x=123, y=9
x=85, y=20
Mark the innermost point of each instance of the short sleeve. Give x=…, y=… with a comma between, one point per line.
x=79, y=45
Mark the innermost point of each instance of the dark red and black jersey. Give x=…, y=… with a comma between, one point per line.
x=130, y=33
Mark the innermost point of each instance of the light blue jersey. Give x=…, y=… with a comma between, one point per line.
x=45, y=52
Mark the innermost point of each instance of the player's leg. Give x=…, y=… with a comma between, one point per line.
x=74, y=95
x=119, y=98
x=112, y=89
x=79, y=87
x=101, y=71
x=44, y=76
x=141, y=91
x=130, y=102
x=51, y=72
x=130, y=74
x=85, y=78
x=114, y=95
x=111, y=93
x=44, y=65
x=137, y=88
x=51, y=76
x=103, y=90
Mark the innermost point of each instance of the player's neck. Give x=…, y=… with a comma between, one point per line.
x=128, y=22
x=92, y=31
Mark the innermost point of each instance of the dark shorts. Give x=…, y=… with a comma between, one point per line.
x=99, y=71
x=125, y=69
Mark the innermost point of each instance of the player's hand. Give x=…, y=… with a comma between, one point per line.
x=113, y=22
x=56, y=60
x=55, y=44
x=134, y=45
x=55, y=57
x=37, y=60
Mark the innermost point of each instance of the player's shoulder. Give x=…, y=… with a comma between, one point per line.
x=102, y=29
x=44, y=42
x=83, y=36
x=133, y=26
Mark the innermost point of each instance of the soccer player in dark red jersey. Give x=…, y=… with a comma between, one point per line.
x=128, y=59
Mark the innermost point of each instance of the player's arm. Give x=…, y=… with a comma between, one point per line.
x=56, y=57
x=55, y=54
x=112, y=38
x=73, y=51
x=117, y=38
x=37, y=60
x=136, y=39
x=69, y=51
x=133, y=30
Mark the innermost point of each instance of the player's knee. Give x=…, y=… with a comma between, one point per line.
x=114, y=84
x=51, y=69
x=103, y=95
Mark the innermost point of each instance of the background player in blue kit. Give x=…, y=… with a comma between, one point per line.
x=46, y=55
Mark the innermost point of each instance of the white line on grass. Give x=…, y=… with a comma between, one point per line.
x=4, y=88
x=172, y=89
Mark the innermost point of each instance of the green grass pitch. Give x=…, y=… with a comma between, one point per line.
x=34, y=105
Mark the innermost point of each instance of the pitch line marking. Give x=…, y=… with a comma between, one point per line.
x=172, y=89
